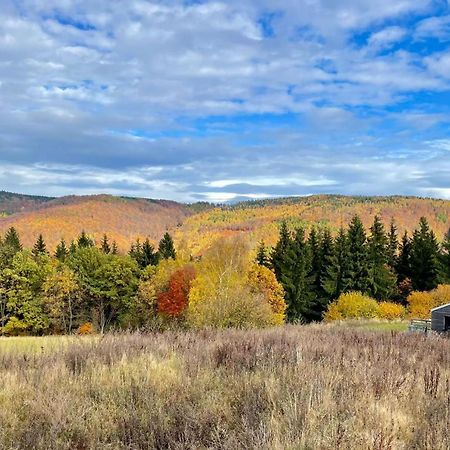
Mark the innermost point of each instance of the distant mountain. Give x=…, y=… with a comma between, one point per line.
x=260, y=219
x=125, y=219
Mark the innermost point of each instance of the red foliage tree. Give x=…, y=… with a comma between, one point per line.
x=174, y=301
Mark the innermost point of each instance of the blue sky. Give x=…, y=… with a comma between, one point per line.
x=219, y=101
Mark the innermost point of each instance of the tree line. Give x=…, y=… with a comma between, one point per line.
x=80, y=283
x=317, y=268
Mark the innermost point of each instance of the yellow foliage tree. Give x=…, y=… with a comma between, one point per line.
x=420, y=303
x=352, y=305
x=391, y=311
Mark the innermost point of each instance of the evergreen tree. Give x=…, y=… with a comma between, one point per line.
x=337, y=276
x=358, y=250
x=392, y=246
x=381, y=280
x=166, y=248
x=403, y=266
x=136, y=250
x=444, y=259
x=316, y=260
x=280, y=251
x=12, y=240
x=61, y=251
x=72, y=248
x=114, y=249
x=84, y=241
x=297, y=281
x=40, y=248
x=261, y=255
x=148, y=256
x=104, y=246
x=424, y=258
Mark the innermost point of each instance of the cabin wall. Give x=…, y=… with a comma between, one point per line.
x=438, y=318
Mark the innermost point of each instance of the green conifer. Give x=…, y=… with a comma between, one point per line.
x=166, y=248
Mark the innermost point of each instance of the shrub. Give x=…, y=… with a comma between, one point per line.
x=14, y=327
x=86, y=328
x=420, y=303
x=352, y=305
x=391, y=311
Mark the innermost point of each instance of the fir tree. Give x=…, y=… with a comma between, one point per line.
x=84, y=241
x=148, y=256
x=326, y=254
x=261, y=255
x=297, y=281
x=403, y=266
x=114, y=249
x=166, y=249
x=316, y=260
x=392, y=246
x=381, y=280
x=61, y=251
x=280, y=251
x=104, y=246
x=40, y=248
x=358, y=250
x=72, y=248
x=424, y=258
x=444, y=259
x=337, y=277
x=12, y=240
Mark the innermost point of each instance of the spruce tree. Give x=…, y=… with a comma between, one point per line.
x=403, y=265
x=279, y=253
x=337, y=276
x=84, y=241
x=148, y=256
x=316, y=259
x=166, y=248
x=381, y=280
x=358, y=250
x=444, y=259
x=424, y=258
x=261, y=255
x=40, y=248
x=297, y=281
x=104, y=246
x=12, y=240
x=114, y=249
x=61, y=251
x=392, y=247
x=72, y=248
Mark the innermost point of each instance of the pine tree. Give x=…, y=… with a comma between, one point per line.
x=279, y=253
x=297, y=281
x=381, y=280
x=12, y=240
x=114, y=249
x=424, y=258
x=338, y=276
x=104, y=246
x=166, y=249
x=392, y=246
x=40, y=248
x=358, y=250
x=84, y=241
x=444, y=259
x=261, y=255
x=61, y=251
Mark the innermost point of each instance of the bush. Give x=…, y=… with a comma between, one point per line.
x=14, y=327
x=391, y=311
x=86, y=328
x=420, y=303
x=352, y=305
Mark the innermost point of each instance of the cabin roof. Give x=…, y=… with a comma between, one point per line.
x=447, y=305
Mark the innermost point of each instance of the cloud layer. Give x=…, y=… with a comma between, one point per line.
x=222, y=100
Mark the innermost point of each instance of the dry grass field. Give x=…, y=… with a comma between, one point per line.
x=305, y=387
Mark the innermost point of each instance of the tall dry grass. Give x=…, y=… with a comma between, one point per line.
x=312, y=387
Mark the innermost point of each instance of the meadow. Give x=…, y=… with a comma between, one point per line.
x=291, y=387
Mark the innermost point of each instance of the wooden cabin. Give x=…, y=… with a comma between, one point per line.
x=440, y=318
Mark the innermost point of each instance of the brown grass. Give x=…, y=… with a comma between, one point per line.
x=312, y=387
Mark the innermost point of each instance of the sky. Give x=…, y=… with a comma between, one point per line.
x=224, y=101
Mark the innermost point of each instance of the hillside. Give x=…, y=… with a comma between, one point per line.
x=123, y=219
x=260, y=219
x=11, y=203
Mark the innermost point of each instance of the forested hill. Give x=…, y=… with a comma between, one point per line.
x=124, y=219
x=260, y=219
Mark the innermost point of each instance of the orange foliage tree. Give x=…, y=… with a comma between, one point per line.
x=174, y=301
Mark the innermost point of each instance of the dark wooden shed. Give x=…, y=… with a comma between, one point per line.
x=440, y=318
